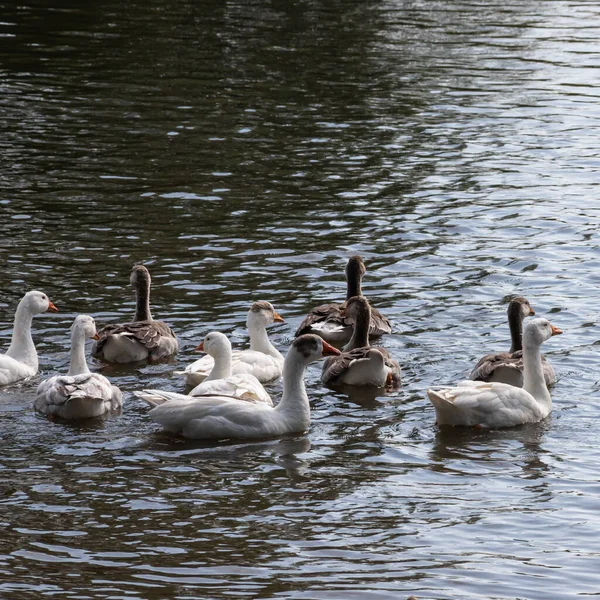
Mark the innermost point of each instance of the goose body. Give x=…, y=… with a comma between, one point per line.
x=262, y=359
x=142, y=339
x=223, y=417
x=21, y=360
x=507, y=367
x=80, y=394
x=493, y=405
x=329, y=322
x=361, y=364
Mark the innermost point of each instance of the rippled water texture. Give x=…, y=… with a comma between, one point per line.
x=243, y=150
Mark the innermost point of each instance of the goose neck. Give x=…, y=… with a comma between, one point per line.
x=142, y=303
x=222, y=366
x=294, y=400
x=21, y=346
x=360, y=334
x=515, y=324
x=353, y=285
x=533, y=374
x=78, y=365
x=259, y=339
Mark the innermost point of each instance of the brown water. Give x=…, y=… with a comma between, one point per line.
x=243, y=150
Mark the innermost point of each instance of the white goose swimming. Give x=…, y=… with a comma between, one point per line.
x=262, y=360
x=221, y=381
x=507, y=367
x=492, y=405
x=21, y=360
x=223, y=417
x=143, y=338
x=80, y=394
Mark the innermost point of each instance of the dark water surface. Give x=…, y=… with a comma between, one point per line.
x=243, y=150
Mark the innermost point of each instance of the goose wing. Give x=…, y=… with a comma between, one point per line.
x=324, y=312
x=490, y=363
x=245, y=387
x=379, y=325
x=89, y=390
x=148, y=333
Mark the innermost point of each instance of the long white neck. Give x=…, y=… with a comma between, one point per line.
x=259, y=340
x=533, y=374
x=78, y=364
x=222, y=366
x=21, y=346
x=294, y=404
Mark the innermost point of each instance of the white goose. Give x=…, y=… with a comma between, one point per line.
x=220, y=381
x=492, y=405
x=143, y=338
x=21, y=360
x=223, y=417
x=262, y=360
x=80, y=394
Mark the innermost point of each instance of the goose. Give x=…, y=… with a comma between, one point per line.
x=218, y=417
x=141, y=339
x=327, y=321
x=262, y=360
x=493, y=405
x=220, y=380
x=80, y=394
x=360, y=363
x=507, y=367
x=21, y=360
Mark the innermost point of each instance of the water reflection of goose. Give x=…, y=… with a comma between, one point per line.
x=507, y=367
x=21, y=360
x=328, y=322
x=475, y=403
x=80, y=394
x=141, y=339
x=224, y=417
x=262, y=360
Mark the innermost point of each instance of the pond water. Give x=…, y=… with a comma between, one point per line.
x=242, y=151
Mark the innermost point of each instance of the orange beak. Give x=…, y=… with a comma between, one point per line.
x=51, y=307
x=96, y=336
x=200, y=348
x=329, y=350
x=555, y=330
x=531, y=312
x=277, y=317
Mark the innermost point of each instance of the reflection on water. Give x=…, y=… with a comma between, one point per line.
x=243, y=151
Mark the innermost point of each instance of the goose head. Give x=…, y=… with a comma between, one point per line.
x=215, y=344
x=538, y=331
x=37, y=302
x=356, y=308
x=520, y=308
x=308, y=348
x=85, y=326
x=140, y=277
x=261, y=314
x=355, y=268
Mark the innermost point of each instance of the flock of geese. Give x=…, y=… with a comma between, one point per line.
x=228, y=400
